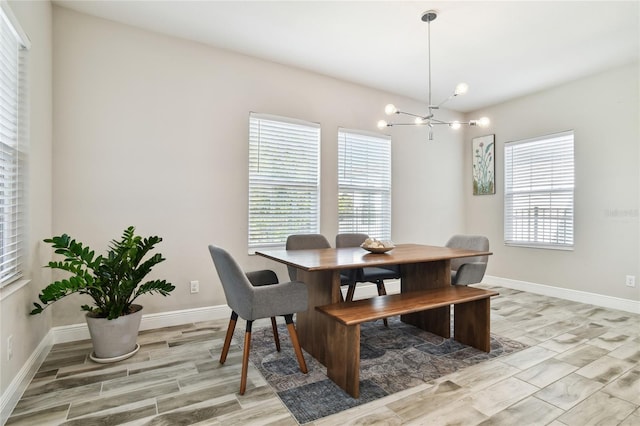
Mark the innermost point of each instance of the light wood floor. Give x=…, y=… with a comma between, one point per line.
x=582, y=368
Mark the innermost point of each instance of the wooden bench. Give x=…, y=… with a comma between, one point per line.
x=471, y=324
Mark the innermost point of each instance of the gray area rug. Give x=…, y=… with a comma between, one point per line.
x=392, y=359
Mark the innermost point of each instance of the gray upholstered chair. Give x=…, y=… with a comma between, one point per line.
x=304, y=242
x=314, y=241
x=468, y=270
x=254, y=302
x=375, y=275
x=266, y=277
x=350, y=277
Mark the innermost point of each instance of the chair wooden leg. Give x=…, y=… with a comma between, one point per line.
x=296, y=344
x=382, y=291
x=227, y=339
x=274, y=326
x=245, y=358
x=350, y=292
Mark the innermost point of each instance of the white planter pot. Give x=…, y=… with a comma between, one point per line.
x=116, y=339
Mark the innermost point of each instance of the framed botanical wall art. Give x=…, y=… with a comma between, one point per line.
x=484, y=166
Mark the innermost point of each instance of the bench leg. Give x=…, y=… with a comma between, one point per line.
x=436, y=321
x=343, y=358
x=471, y=324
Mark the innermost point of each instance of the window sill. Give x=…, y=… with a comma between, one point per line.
x=12, y=287
x=539, y=246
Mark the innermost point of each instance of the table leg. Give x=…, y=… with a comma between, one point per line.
x=313, y=327
x=421, y=276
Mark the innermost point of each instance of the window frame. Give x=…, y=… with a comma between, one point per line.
x=283, y=152
x=14, y=47
x=547, y=167
x=370, y=180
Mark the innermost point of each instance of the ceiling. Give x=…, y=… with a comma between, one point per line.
x=502, y=49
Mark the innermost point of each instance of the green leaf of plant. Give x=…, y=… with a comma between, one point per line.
x=110, y=280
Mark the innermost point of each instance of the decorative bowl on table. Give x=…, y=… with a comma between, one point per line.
x=376, y=246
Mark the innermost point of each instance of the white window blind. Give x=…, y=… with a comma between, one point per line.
x=13, y=138
x=364, y=184
x=284, y=179
x=539, y=184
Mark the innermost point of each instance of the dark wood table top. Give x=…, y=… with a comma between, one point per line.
x=356, y=257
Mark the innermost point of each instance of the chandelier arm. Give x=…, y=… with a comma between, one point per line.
x=410, y=114
x=445, y=101
x=407, y=124
x=466, y=123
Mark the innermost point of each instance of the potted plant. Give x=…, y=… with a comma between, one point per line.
x=113, y=282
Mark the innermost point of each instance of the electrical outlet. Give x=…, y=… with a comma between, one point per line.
x=195, y=287
x=630, y=281
x=10, y=347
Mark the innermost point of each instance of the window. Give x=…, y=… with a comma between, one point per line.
x=538, y=199
x=364, y=184
x=284, y=179
x=13, y=132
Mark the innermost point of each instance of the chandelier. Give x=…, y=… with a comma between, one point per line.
x=430, y=120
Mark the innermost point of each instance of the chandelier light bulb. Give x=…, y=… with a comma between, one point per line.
x=382, y=124
x=455, y=125
x=390, y=109
x=484, y=122
x=418, y=120
x=461, y=89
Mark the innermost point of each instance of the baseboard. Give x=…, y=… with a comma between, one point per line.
x=12, y=394
x=627, y=305
x=75, y=332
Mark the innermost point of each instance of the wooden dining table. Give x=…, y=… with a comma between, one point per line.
x=421, y=267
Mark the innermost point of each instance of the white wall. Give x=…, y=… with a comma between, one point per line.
x=152, y=131
x=15, y=300
x=603, y=111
